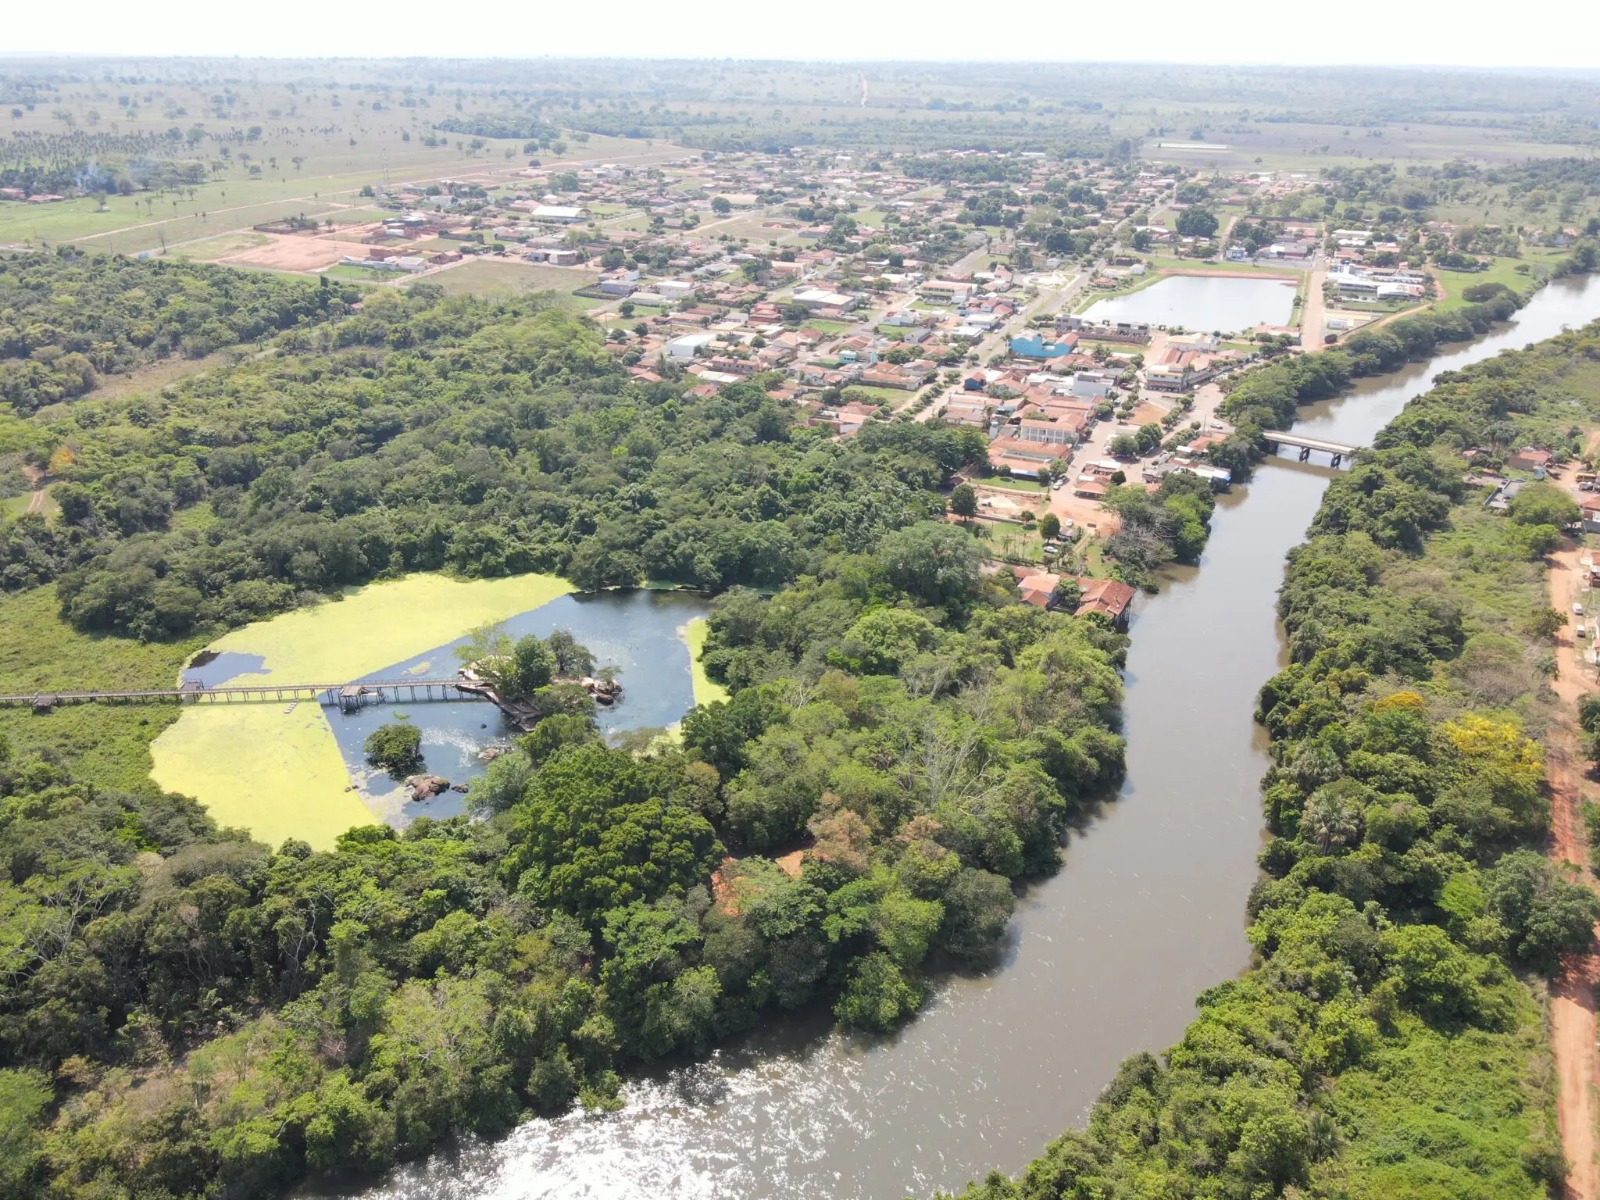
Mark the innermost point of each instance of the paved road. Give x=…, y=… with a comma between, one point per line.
x=1312, y=311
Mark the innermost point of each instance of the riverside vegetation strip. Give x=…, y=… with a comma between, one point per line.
x=185, y=1011
x=1389, y=1042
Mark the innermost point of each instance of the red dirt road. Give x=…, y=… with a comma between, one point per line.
x=1572, y=1004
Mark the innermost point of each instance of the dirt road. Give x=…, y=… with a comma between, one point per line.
x=37, y=497
x=1572, y=1004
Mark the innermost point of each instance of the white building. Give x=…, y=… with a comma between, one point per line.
x=942, y=291
x=685, y=347
x=817, y=298
x=1093, y=385
x=559, y=214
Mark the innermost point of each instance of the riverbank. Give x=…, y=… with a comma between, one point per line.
x=1405, y=872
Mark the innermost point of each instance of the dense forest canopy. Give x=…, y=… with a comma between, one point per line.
x=67, y=318
x=428, y=433
x=186, y=1013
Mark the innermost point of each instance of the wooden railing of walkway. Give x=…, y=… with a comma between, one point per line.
x=344, y=695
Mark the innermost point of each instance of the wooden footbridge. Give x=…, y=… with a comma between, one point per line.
x=345, y=696
x=1338, y=451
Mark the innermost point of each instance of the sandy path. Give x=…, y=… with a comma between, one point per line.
x=1572, y=1004
x=36, y=498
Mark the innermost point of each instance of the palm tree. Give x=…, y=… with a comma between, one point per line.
x=1331, y=820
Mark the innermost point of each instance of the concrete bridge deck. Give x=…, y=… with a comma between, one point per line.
x=1301, y=441
x=1306, y=444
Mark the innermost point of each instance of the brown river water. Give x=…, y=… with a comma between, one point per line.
x=1105, y=957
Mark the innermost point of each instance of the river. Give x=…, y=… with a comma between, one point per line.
x=1105, y=958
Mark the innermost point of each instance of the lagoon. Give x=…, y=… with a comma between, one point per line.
x=640, y=633
x=1204, y=303
x=285, y=770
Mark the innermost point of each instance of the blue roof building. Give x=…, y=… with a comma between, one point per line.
x=1033, y=345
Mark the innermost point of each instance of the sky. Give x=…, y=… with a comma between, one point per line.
x=1547, y=33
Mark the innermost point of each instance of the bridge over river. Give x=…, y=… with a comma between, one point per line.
x=1305, y=443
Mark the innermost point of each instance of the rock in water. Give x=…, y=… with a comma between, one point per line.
x=426, y=787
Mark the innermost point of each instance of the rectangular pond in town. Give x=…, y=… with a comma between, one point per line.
x=1203, y=303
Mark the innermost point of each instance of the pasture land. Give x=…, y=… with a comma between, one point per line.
x=223, y=246
x=496, y=276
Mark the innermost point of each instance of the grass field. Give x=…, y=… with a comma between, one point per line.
x=212, y=249
x=1197, y=266
x=886, y=395
x=279, y=773
x=1013, y=483
x=1518, y=274
x=358, y=274
x=16, y=506
x=491, y=276
x=39, y=652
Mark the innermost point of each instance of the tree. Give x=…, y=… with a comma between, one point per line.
x=964, y=502
x=24, y=1097
x=977, y=908
x=1543, y=504
x=1544, y=623
x=504, y=784
x=1050, y=526
x=938, y=564
x=1546, y=916
x=1067, y=595
x=1197, y=223
x=487, y=641
x=573, y=659
x=554, y=734
x=601, y=828
x=721, y=205
x=396, y=747
x=878, y=996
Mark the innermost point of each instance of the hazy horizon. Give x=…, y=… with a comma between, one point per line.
x=1363, y=34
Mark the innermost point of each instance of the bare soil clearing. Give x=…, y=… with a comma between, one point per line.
x=292, y=252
